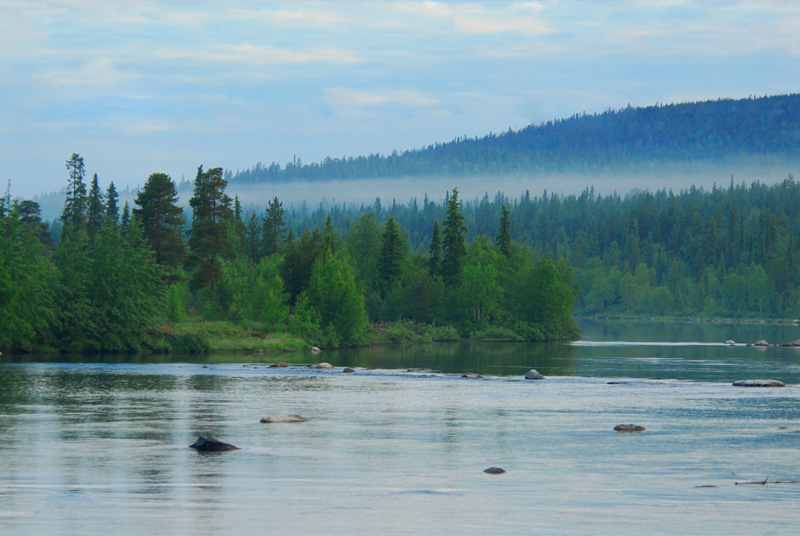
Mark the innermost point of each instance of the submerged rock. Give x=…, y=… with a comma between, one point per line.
x=283, y=418
x=322, y=366
x=629, y=428
x=494, y=471
x=209, y=444
x=278, y=365
x=616, y=383
x=349, y=369
x=533, y=374
x=759, y=383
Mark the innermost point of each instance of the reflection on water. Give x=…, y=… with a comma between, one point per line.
x=96, y=448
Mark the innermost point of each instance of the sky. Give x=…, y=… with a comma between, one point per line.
x=140, y=87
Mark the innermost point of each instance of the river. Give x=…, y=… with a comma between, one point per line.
x=95, y=446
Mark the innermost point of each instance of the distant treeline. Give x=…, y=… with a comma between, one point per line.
x=632, y=139
x=727, y=251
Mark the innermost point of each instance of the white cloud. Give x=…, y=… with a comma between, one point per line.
x=98, y=73
x=345, y=97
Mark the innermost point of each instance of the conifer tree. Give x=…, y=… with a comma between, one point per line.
x=503, y=240
x=389, y=263
x=161, y=219
x=125, y=220
x=435, y=261
x=210, y=240
x=454, y=243
x=112, y=204
x=95, y=209
x=74, y=213
x=274, y=228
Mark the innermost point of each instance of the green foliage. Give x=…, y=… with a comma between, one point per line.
x=454, y=241
x=162, y=219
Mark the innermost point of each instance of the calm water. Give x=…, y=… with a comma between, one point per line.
x=101, y=447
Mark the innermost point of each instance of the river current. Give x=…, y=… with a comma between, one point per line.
x=100, y=446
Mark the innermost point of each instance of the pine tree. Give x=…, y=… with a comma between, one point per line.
x=125, y=220
x=503, y=240
x=210, y=240
x=162, y=219
x=454, y=243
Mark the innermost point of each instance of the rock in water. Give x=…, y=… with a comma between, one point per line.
x=629, y=428
x=315, y=350
x=349, y=369
x=494, y=471
x=759, y=383
x=322, y=365
x=283, y=418
x=533, y=374
x=278, y=365
x=762, y=342
x=209, y=444
x=730, y=342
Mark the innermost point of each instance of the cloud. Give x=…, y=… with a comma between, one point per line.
x=345, y=97
x=250, y=54
x=98, y=73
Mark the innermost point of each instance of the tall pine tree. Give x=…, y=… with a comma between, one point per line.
x=454, y=243
x=161, y=219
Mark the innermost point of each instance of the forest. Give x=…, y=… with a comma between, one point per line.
x=653, y=139
x=122, y=279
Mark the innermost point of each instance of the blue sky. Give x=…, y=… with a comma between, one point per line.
x=138, y=87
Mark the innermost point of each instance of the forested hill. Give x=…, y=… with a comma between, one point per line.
x=632, y=139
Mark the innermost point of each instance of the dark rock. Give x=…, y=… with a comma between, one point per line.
x=467, y=374
x=617, y=383
x=759, y=383
x=795, y=343
x=494, y=471
x=283, y=418
x=278, y=365
x=209, y=444
x=629, y=428
x=349, y=369
x=533, y=374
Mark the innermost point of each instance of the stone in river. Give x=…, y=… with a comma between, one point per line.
x=629, y=428
x=759, y=383
x=762, y=342
x=349, y=369
x=283, y=418
x=494, y=471
x=278, y=365
x=209, y=444
x=533, y=374
x=795, y=343
x=315, y=350
x=322, y=366
x=730, y=342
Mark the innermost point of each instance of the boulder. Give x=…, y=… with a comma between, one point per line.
x=209, y=444
x=278, y=365
x=349, y=369
x=761, y=342
x=494, y=471
x=759, y=383
x=795, y=344
x=283, y=418
x=315, y=350
x=533, y=374
x=730, y=342
x=322, y=366
x=629, y=428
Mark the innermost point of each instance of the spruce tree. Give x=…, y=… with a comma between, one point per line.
x=162, y=219
x=389, y=263
x=210, y=240
x=274, y=228
x=435, y=262
x=503, y=240
x=74, y=213
x=95, y=209
x=112, y=204
x=454, y=243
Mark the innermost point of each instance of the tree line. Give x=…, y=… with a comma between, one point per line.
x=634, y=139
x=114, y=277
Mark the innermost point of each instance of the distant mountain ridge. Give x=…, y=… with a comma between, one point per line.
x=632, y=139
